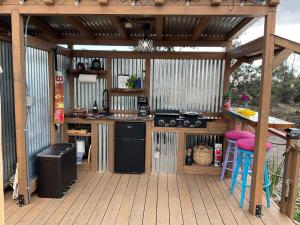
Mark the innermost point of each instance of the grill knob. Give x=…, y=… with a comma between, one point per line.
x=198, y=123
x=172, y=123
x=186, y=123
x=161, y=122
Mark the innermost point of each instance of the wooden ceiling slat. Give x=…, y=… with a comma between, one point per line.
x=241, y=27
x=78, y=25
x=44, y=27
x=200, y=28
x=119, y=27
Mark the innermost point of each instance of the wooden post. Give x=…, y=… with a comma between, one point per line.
x=227, y=70
x=148, y=154
x=181, y=152
x=94, y=149
x=290, y=179
x=147, y=78
x=111, y=147
x=1, y=170
x=20, y=100
x=51, y=94
x=262, y=128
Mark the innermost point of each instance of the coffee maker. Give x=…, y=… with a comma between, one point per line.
x=143, y=106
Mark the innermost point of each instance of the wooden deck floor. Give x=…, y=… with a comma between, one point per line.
x=107, y=199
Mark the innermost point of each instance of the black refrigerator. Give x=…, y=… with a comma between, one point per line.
x=130, y=147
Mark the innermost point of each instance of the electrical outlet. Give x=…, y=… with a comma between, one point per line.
x=29, y=101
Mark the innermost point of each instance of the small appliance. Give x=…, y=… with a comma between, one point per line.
x=143, y=106
x=166, y=118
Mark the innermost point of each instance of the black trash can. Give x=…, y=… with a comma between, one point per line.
x=57, y=170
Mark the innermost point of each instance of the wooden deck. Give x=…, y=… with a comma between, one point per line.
x=107, y=198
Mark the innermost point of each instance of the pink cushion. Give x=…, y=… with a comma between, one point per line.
x=249, y=143
x=238, y=134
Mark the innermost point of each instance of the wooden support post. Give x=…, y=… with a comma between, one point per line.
x=262, y=128
x=51, y=94
x=94, y=149
x=20, y=100
x=181, y=152
x=290, y=179
x=148, y=155
x=1, y=170
x=227, y=70
x=111, y=147
x=147, y=78
x=279, y=59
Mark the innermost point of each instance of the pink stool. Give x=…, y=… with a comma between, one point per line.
x=232, y=137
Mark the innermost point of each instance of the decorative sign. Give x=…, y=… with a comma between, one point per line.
x=58, y=99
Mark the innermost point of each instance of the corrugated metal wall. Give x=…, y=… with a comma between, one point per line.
x=187, y=85
x=7, y=111
x=192, y=140
x=166, y=144
x=86, y=93
x=63, y=64
x=103, y=147
x=38, y=114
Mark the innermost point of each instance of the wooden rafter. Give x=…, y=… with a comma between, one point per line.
x=241, y=27
x=199, y=29
x=78, y=25
x=285, y=43
x=119, y=27
x=236, y=65
x=252, y=48
x=274, y=3
x=159, y=23
x=281, y=56
x=44, y=27
x=216, y=2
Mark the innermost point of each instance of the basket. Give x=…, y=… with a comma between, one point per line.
x=203, y=155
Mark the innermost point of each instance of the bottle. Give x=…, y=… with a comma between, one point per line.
x=95, y=107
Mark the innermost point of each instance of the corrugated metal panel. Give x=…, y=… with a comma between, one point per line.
x=103, y=147
x=100, y=25
x=86, y=93
x=192, y=140
x=187, y=85
x=221, y=26
x=63, y=64
x=7, y=111
x=59, y=24
x=38, y=114
x=179, y=25
x=124, y=103
x=166, y=145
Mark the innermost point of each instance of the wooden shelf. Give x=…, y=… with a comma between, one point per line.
x=126, y=91
x=197, y=169
x=80, y=135
x=97, y=72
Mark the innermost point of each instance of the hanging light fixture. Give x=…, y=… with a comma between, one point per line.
x=146, y=43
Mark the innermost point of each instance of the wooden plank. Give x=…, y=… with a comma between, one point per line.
x=274, y=3
x=44, y=27
x=111, y=147
x=281, y=57
x=1, y=169
x=200, y=28
x=221, y=204
x=216, y=2
x=116, y=201
x=148, y=154
x=94, y=149
x=119, y=27
x=51, y=96
x=285, y=43
x=210, y=205
x=137, y=212
x=188, y=213
x=241, y=28
x=198, y=204
x=153, y=55
x=197, y=169
x=92, y=202
x=181, y=153
x=227, y=71
x=163, y=211
x=61, y=210
x=236, y=211
x=127, y=203
x=249, y=49
x=78, y=25
x=236, y=65
x=19, y=96
x=82, y=199
x=174, y=201
x=263, y=120
x=151, y=201
x=159, y=24
x=104, y=201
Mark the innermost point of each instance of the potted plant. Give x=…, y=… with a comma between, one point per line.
x=131, y=81
x=245, y=98
x=227, y=100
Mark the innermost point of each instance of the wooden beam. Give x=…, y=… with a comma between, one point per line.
x=44, y=27
x=153, y=55
x=281, y=57
x=285, y=43
x=274, y=3
x=200, y=28
x=251, y=48
x=236, y=65
x=70, y=9
x=20, y=99
x=215, y=2
x=78, y=25
x=159, y=24
x=119, y=27
x=1, y=168
x=263, y=117
x=241, y=28
x=227, y=73
x=51, y=96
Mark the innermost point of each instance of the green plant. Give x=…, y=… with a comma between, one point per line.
x=297, y=213
x=275, y=167
x=227, y=95
x=131, y=81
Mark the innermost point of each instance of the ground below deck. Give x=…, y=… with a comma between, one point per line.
x=105, y=198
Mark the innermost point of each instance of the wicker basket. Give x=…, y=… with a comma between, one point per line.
x=203, y=155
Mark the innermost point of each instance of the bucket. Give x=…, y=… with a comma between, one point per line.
x=80, y=150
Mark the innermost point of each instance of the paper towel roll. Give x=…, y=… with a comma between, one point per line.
x=80, y=146
x=88, y=78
